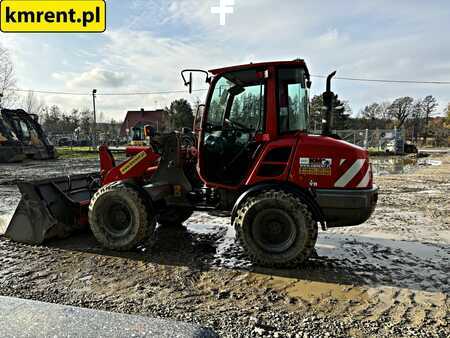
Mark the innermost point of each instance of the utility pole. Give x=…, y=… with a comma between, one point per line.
x=94, y=139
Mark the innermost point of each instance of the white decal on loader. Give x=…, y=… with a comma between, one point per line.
x=350, y=174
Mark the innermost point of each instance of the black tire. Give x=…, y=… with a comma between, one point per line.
x=276, y=229
x=174, y=217
x=120, y=218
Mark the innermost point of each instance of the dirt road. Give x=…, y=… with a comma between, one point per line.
x=388, y=277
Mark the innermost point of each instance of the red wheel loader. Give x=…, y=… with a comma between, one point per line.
x=250, y=155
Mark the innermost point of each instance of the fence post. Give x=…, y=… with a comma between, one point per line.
x=366, y=139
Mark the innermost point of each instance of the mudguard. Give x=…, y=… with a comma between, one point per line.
x=304, y=195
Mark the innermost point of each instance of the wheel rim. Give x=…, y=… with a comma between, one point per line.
x=274, y=230
x=118, y=218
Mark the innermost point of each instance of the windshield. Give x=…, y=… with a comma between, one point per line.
x=293, y=100
x=239, y=98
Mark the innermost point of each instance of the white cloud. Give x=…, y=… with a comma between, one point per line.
x=96, y=77
x=376, y=39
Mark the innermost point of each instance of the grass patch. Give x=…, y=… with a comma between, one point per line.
x=77, y=152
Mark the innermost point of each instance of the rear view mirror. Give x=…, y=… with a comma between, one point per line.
x=188, y=82
x=236, y=90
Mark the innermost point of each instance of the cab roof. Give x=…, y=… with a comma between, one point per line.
x=298, y=62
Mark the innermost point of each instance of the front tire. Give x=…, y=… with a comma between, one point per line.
x=119, y=217
x=276, y=229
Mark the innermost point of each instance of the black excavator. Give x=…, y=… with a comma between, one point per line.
x=21, y=137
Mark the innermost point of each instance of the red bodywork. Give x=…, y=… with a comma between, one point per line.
x=134, y=150
x=315, y=161
x=139, y=167
x=339, y=158
x=318, y=162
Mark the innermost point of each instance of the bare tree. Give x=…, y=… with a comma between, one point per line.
x=384, y=110
x=429, y=104
x=371, y=111
x=101, y=117
x=447, y=114
x=417, y=118
x=7, y=79
x=401, y=109
x=32, y=104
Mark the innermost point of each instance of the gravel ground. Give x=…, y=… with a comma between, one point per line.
x=388, y=277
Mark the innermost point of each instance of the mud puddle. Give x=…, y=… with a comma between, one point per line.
x=393, y=165
x=396, y=165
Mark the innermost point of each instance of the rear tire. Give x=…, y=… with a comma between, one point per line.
x=119, y=217
x=174, y=217
x=276, y=229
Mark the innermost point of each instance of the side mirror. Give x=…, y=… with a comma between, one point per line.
x=188, y=82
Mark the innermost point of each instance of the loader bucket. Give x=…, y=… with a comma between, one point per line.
x=52, y=208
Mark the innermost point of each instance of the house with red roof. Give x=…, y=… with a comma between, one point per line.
x=141, y=118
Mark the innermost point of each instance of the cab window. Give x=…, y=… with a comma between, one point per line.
x=292, y=100
x=239, y=99
x=25, y=131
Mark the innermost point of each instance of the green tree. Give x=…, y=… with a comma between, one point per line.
x=341, y=117
x=180, y=114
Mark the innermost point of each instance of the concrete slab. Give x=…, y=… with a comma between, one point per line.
x=25, y=318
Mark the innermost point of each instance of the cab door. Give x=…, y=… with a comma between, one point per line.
x=235, y=115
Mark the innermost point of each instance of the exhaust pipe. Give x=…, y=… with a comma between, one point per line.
x=328, y=98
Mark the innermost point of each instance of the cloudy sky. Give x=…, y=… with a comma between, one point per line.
x=148, y=42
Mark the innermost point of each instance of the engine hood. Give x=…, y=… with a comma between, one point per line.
x=326, y=163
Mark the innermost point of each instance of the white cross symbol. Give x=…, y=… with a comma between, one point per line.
x=225, y=7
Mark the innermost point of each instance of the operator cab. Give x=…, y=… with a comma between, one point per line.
x=244, y=112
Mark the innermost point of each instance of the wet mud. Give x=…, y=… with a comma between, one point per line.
x=388, y=277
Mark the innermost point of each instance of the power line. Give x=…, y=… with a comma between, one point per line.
x=385, y=81
x=46, y=92
x=205, y=89
x=152, y=93
x=101, y=94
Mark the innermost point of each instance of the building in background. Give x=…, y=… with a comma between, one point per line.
x=140, y=118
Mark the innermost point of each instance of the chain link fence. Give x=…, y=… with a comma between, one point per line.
x=383, y=140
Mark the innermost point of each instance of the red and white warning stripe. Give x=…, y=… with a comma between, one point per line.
x=366, y=180
x=352, y=172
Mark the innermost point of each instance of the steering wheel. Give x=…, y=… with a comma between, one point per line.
x=215, y=144
x=238, y=124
